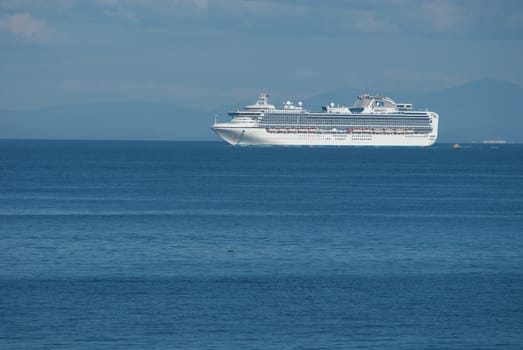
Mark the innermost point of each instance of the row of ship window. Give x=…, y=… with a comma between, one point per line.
x=350, y=130
x=351, y=121
x=351, y=124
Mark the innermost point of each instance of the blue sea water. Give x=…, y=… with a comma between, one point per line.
x=200, y=245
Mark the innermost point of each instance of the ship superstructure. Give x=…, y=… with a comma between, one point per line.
x=373, y=120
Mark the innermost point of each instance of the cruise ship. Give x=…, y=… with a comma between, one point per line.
x=373, y=120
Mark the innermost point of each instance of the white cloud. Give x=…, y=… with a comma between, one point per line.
x=257, y=7
x=202, y=4
x=122, y=13
x=516, y=20
x=107, y=2
x=28, y=5
x=24, y=26
x=368, y=22
x=442, y=16
x=167, y=4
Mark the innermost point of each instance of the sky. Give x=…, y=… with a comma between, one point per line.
x=206, y=53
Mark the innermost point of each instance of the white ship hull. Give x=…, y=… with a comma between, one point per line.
x=247, y=136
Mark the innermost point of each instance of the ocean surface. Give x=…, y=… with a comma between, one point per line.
x=201, y=245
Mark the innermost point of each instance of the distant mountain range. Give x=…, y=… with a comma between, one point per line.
x=481, y=110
